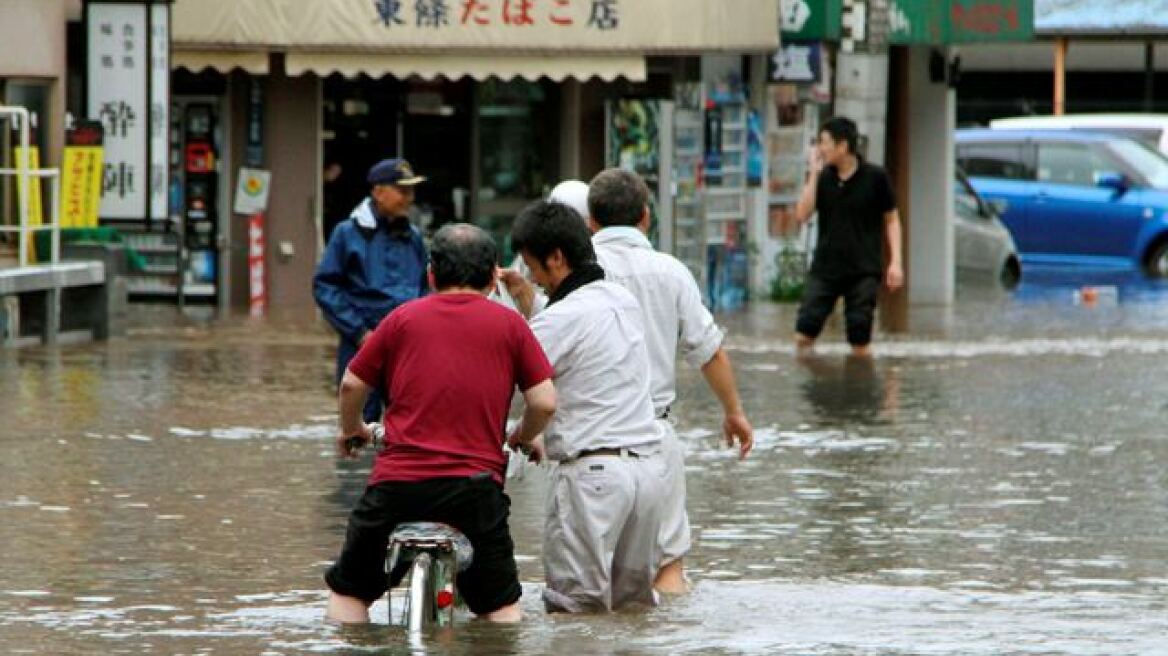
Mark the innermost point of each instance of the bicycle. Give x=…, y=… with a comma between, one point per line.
x=432, y=554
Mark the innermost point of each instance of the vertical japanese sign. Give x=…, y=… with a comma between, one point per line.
x=81, y=176
x=251, y=199
x=257, y=287
x=159, y=110
x=128, y=92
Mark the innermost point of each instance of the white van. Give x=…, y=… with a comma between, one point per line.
x=1151, y=129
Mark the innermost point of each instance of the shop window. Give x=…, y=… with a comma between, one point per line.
x=514, y=166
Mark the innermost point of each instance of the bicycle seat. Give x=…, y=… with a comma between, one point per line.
x=434, y=535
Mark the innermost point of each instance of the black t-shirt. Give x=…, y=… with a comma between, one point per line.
x=851, y=222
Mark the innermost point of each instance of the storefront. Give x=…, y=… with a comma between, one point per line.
x=494, y=100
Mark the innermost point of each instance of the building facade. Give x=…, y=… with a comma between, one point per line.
x=494, y=100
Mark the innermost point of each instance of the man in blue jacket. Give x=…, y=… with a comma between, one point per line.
x=375, y=261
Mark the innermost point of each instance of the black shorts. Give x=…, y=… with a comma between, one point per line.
x=476, y=506
x=820, y=295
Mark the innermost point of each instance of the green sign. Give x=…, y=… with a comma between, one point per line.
x=810, y=20
x=959, y=21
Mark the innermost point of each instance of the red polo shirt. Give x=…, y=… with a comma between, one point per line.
x=450, y=364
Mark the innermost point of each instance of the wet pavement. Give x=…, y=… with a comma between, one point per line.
x=992, y=483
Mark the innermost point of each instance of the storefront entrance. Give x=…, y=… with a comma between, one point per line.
x=487, y=148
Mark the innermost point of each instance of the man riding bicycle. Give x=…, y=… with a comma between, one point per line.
x=449, y=363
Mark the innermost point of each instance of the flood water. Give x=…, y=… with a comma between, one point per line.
x=992, y=483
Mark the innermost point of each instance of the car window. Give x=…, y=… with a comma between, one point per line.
x=965, y=204
x=994, y=160
x=1072, y=163
x=1150, y=136
x=1147, y=164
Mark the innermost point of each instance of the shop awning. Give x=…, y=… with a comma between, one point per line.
x=502, y=66
x=1131, y=18
x=524, y=38
x=224, y=61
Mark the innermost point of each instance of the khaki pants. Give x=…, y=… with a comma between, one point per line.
x=600, y=549
x=674, y=540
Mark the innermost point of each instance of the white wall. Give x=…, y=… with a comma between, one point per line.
x=32, y=38
x=932, y=118
x=32, y=47
x=861, y=94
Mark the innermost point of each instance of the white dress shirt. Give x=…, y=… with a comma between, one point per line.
x=595, y=340
x=671, y=301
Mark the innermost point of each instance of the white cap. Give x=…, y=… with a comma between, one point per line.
x=572, y=193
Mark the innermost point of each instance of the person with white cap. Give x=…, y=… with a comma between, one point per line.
x=572, y=193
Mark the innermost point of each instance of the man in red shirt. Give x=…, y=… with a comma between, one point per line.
x=450, y=363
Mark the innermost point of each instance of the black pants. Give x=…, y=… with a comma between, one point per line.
x=476, y=506
x=819, y=298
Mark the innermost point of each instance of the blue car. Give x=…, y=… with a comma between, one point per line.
x=1073, y=197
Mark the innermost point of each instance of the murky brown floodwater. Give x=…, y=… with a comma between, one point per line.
x=993, y=483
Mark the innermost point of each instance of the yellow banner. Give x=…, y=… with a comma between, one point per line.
x=30, y=161
x=81, y=186
x=35, y=209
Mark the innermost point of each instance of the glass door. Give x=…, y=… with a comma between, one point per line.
x=516, y=124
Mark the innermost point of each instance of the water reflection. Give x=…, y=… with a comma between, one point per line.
x=994, y=488
x=849, y=389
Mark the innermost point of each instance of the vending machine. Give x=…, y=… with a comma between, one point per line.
x=198, y=200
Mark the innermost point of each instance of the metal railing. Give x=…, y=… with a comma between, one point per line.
x=26, y=176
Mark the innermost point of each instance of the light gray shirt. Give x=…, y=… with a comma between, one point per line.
x=675, y=318
x=595, y=341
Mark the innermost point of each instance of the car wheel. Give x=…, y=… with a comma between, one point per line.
x=1158, y=261
x=1011, y=273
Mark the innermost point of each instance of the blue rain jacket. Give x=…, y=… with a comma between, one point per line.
x=367, y=271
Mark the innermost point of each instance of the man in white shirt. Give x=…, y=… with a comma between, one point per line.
x=607, y=489
x=675, y=322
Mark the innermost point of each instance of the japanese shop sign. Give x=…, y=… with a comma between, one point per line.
x=159, y=110
x=810, y=20
x=81, y=176
x=603, y=26
x=128, y=81
x=438, y=14
x=797, y=62
x=960, y=21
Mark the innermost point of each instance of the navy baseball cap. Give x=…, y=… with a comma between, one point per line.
x=393, y=171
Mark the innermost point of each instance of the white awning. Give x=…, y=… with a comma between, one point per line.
x=224, y=61
x=479, y=38
x=451, y=66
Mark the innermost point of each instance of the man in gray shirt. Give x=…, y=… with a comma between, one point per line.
x=607, y=488
x=676, y=322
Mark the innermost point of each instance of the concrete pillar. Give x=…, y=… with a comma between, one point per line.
x=861, y=94
x=932, y=111
x=292, y=144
